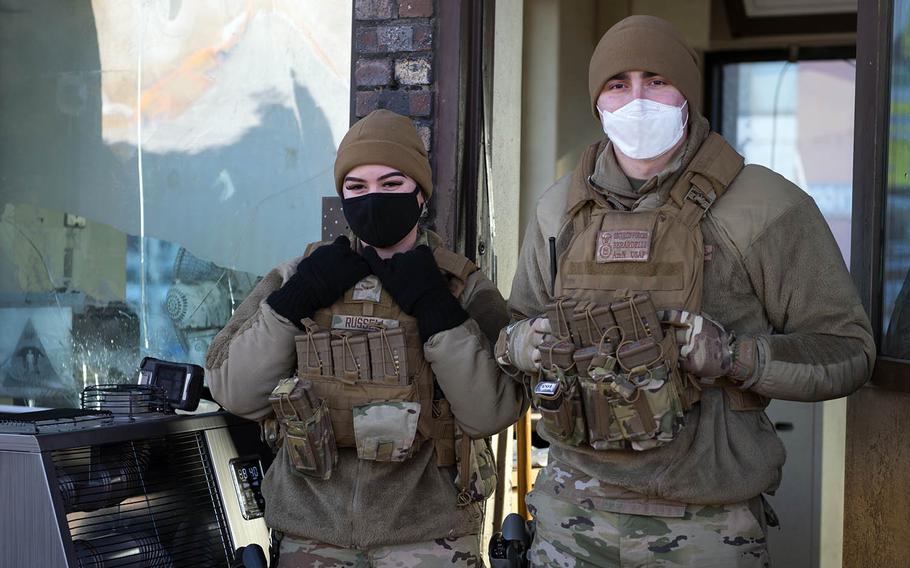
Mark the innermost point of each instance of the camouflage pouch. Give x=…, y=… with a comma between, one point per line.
x=632, y=401
x=558, y=400
x=310, y=443
x=597, y=390
x=480, y=469
x=663, y=404
x=384, y=431
x=308, y=435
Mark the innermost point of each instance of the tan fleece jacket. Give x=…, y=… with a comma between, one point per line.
x=367, y=504
x=774, y=272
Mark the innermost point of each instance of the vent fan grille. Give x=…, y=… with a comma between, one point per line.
x=150, y=503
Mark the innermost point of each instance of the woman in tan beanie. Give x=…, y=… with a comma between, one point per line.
x=381, y=458
x=660, y=450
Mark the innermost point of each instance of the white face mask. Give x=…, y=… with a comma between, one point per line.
x=644, y=129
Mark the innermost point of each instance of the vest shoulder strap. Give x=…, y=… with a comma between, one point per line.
x=313, y=246
x=458, y=267
x=707, y=176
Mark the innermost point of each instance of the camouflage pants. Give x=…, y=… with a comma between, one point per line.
x=455, y=552
x=707, y=536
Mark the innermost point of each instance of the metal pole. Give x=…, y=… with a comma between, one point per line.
x=524, y=462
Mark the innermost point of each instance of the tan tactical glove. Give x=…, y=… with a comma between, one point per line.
x=708, y=350
x=705, y=347
x=519, y=342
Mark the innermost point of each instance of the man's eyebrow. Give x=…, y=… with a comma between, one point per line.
x=624, y=76
x=352, y=178
x=390, y=174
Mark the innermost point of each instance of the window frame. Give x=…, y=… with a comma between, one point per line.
x=870, y=184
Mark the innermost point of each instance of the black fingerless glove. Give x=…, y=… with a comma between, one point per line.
x=320, y=280
x=415, y=283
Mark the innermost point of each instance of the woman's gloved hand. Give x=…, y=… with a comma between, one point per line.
x=320, y=280
x=413, y=280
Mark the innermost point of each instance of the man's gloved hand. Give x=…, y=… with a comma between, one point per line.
x=705, y=347
x=413, y=280
x=519, y=343
x=320, y=280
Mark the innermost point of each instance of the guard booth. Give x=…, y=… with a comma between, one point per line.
x=158, y=157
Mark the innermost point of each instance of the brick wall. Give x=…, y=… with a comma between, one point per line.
x=392, y=60
x=406, y=57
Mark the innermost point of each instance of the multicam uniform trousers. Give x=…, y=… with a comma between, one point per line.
x=723, y=536
x=450, y=552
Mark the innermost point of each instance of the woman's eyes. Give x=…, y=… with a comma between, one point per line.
x=392, y=184
x=355, y=187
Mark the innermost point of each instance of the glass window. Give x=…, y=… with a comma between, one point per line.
x=156, y=159
x=895, y=277
x=797, y=119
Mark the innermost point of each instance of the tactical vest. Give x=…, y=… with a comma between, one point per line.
x=614, y=259
x=364, y=356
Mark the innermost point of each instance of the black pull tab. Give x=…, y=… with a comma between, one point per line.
x=783, y=426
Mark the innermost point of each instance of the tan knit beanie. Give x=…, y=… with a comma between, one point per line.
x=387, y=139
x=645, y=43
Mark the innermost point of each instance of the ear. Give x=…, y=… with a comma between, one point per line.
x=420, y=198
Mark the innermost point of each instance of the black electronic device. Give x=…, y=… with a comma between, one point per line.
x=509, y=548
x=246, y=474
x=182, y=382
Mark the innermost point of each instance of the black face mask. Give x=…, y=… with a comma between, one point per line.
x=382, y=219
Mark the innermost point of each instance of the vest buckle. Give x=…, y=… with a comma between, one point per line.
x=700, y=198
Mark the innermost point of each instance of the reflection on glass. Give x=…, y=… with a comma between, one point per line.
x=895, y=277
x=797, y=119
x=156, y=158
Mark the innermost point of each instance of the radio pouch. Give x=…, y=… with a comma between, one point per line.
x=308, y=435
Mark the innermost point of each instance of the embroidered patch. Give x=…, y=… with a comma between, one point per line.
x=366, y=323
x=623, y=245
x=369, y=289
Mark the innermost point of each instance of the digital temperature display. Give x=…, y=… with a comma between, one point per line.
x=247, y=475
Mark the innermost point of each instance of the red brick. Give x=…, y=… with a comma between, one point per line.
x=367, y=41
x=415, y=8
x=365, y=102
x=423, y=37
x=420, y=103
x=372, y=72
x=375, y=9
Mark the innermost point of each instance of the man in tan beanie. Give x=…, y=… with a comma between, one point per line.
x=370, y=366
x=660, y=449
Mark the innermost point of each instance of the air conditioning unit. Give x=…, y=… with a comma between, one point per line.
x=93, y=488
